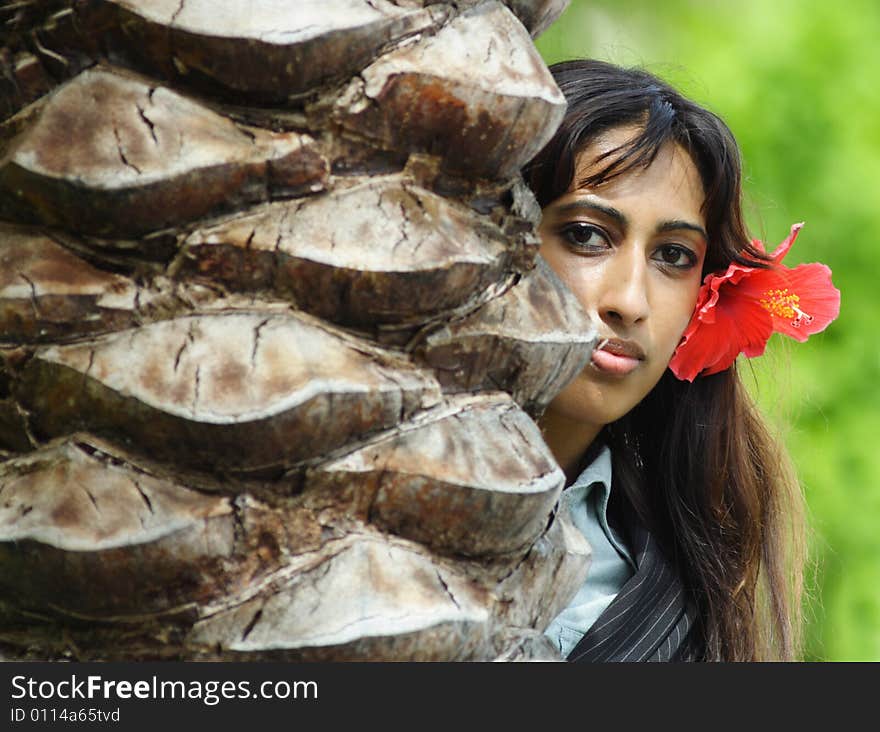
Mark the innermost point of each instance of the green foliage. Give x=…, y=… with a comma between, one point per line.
x=796, y=82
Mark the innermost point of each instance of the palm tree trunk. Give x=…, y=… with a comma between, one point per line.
x=273, y=332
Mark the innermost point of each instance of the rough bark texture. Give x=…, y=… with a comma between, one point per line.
x=273, y=332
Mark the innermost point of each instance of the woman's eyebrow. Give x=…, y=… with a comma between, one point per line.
x=587, y=205
x=681, y=224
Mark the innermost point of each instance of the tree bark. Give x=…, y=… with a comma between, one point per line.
x=273, y=332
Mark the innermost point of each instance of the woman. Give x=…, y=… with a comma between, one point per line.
x=698, y=539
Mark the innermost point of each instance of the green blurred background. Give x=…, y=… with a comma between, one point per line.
x=797, y=81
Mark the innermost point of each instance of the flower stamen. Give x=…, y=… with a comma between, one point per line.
x=802, y=317
x=784, y=304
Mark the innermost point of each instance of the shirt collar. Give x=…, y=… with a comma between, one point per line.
x=598, y=471
x=597, y=476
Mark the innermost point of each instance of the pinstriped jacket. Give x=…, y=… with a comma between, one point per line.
x=650, y=619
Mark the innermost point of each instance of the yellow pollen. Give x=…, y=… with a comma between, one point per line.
x=781, y=303
x=785, y=304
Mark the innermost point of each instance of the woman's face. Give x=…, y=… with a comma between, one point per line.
x=631, y=249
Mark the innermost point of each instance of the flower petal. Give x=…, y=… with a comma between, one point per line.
x=708, y=348
x=786, y=243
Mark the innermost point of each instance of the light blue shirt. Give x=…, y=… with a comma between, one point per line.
x=612, y=564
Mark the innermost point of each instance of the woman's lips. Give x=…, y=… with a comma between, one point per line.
x=617, y=357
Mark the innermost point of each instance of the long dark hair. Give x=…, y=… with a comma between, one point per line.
x=694, y=460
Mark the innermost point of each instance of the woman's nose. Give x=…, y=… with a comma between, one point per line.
x=624, y=293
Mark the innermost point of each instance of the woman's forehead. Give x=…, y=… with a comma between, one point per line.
x=672, y=168
x=608, y=146
x=602, y=147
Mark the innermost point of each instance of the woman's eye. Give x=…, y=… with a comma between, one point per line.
x=584, y=236
x=677, y=256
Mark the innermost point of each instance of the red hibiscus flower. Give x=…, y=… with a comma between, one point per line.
x=737, y=311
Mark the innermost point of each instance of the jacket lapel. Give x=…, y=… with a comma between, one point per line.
x=650, y=618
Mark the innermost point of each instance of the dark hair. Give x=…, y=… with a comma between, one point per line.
x=694, y=460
